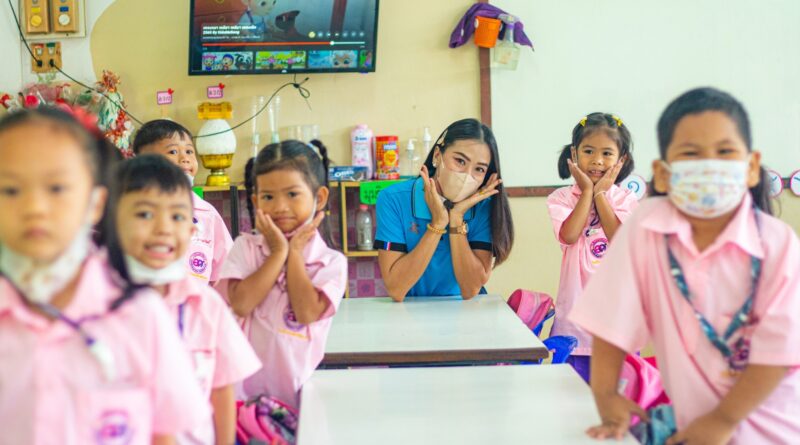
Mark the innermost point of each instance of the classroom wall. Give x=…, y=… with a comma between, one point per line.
x=419, y=80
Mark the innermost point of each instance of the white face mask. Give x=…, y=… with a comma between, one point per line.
x=39, y=282
x=707, y=188
x=456, y=186
x=142, y=274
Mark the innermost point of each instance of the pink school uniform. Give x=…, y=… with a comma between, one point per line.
x=633, y=298
x=581, y=258
x=54, y=391
x=210, y=243
x=288, y=350
x=219, y=351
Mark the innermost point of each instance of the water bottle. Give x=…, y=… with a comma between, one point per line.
x=361, y=148
x=364, y=228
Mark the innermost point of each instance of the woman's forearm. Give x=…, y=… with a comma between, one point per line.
x=400, y=274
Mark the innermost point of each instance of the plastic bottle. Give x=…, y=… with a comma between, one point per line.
x=409, y=165
x=361, y=148
x=364, y=228
x=427, y=142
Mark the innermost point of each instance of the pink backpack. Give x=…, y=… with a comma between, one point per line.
x=533, y=308
x=640, y=381
x=265, y=420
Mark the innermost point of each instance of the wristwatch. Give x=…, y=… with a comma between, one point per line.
x=459, y=230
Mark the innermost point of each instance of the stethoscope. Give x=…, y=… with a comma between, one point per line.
x=97, y=348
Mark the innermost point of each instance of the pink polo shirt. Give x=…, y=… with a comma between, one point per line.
x=289, y=351
x=581, y=258
x=220, y=352
x=53, y=390
x=633, y=298
x=210, y=243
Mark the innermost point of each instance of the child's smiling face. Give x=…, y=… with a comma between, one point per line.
x=597, y=153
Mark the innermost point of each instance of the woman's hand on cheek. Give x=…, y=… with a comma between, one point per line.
x=485, y=192
x=301, y=238
x=274, y=237
x=439, y=217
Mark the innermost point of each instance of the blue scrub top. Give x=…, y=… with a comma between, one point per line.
x=403, y=217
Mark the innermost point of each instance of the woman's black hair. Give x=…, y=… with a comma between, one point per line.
x=250, y=189
x=501, y=222
x=136, y=174
x=700, y=100
x=311, y=160
x=614, y=128
x=155, y=131
x=102, y=157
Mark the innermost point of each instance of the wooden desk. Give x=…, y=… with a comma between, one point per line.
x=429, y=330
x=518, y=404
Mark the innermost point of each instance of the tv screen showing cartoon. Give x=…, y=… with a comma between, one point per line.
x=282, y=36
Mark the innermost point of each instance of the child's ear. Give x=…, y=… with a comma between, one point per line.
x=754, y=169
x=661, y=176
x=254, y=200
x=322, y=198
x=573, y=153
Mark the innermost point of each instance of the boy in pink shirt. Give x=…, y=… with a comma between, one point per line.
x=211, y=241
x=152, y=212
x=286, y=282
x=711, y=278
x=86, y=358
x=587, y=214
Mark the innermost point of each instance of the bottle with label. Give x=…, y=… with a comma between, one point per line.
x=409, y=164
x=361, y=148
x=364, y=228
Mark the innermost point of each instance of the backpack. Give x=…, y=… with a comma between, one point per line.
x=533, y=308
x=265, y=420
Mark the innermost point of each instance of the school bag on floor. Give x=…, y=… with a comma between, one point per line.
x=533, y=308
x=265, y=420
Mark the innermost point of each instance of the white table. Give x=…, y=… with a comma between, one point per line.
x=429, y=330
x=495, y=405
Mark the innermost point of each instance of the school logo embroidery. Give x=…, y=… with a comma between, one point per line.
x=599, y=247
x=198, y=262
x=290, y=320
x=414, y=228
x=114, y=429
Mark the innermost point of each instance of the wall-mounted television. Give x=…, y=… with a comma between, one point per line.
x=282, y=36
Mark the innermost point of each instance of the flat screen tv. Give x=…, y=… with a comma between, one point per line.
x=282, y=36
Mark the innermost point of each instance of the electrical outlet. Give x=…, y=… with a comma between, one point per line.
x=36, y=14
x=46, y=55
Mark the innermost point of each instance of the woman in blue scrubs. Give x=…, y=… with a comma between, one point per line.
x=442, y=233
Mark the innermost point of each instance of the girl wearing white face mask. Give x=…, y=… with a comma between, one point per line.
x=83, y=356
x=442, y=233
x=151, y=225
x=711, y=278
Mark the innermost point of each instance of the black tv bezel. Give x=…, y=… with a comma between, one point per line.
x=284, y=71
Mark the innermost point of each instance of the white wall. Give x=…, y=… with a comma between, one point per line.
x=631, y=57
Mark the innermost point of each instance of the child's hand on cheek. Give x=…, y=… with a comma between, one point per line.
x=581, y=179
x=301, y=238
x=276, y=240
x=608, y=179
